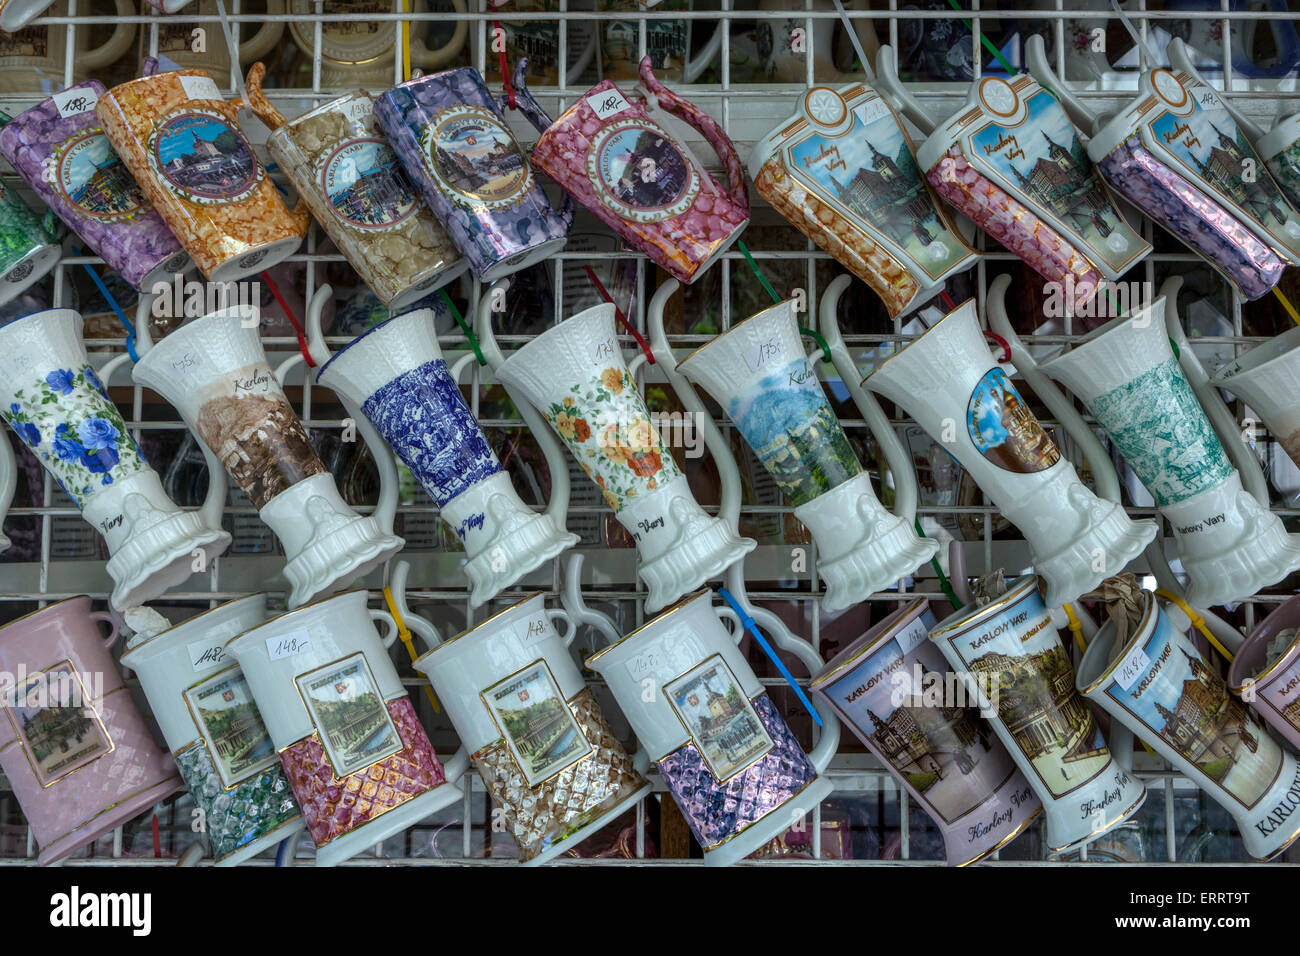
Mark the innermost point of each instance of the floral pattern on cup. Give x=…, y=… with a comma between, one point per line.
x=21, y=234
x=68, y=421
x=607, y=426
x=1161, y=430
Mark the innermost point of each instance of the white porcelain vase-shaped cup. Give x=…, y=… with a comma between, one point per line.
x=1267, y=378
x=575, y=376
x=758, y=372
x=550, y=798
x=1127, y=375
x=1009, y=654
x=214, y=730
x=59, y=407
x=948, y=382
x=735, y=769
x=1160, y=687
x=214, y=371
x=396, y=377
x=353, y=750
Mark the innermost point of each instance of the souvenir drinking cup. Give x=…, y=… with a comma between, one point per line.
x=758, y=373
x=535, y=733
x=1160, y=687
x=395, y=376
x=181, y=140
x=575, y=376
x=841, y=170
x=213, y=371
x=612, y=157
x=944, y=755
x=36, y=57
x=948, y=382
x=1126, y=373
x=214, y=730
x=1010, y=160
x=1009, y=653
x=1267, y=378
x=452, y=137
x=175, y=40
x=1265, y=672
x=668, y=42
x=75, y=750
x=538, y=42
x=358, y=760
x=27, y=249
x=735, y=769
x=60, y=151
x=59, y=407
x=348, y=176
x=1178, y=155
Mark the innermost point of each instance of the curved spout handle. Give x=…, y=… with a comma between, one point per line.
x=728, y=472
x=320, y=352
x=1224, y=422
x=900, y=461
x=1180, y=59
x=143, y=312
x=1039, y=68
x=558, y=507
x=1050, y=394
x=889, y=86
x=571, y=598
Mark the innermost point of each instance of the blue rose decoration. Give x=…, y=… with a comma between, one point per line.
x=108, y=480
x=98, y=434
x=99, y=461
x=93, y=379
x=60, y=380
x=31, y=434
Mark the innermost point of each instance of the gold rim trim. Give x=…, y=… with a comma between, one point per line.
x=654, y=620
x=1014, y=594
x=113, y=806
x=834, y=668
x=1127, y=814
x=224, y=604
x=1140, y=633
x=960, y=306
x=298, y=610
x=40, y=610
x=1038, y=811
x=287, y=823
x=1289, y=658
x=483, y=623
x=726, y=332
x=1283, y=848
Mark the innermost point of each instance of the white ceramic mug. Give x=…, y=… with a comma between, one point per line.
x=1267, y=378
x=59, y=406
x=213, y=370
x=214, y=730
x=949, y=383
x=532, y=727
x=731, y=763
x=395, y=376
x=758, y=372
x=362, y=773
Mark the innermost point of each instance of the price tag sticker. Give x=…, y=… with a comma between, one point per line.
x=201, y=88
x=607, y=103
x=756, y=356
x=534, y=629
x=206, y=654
x=74, y=102
x=1132, y=668
x=288, y=645
x=912, y=636
x=359, y=109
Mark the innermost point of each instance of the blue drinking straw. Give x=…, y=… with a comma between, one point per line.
x=752, y=627
x=112, y=303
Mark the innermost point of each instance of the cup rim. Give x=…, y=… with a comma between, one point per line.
x=186, y=330
x=605, y=310
x=41, y=610
x=703, y=592
x=861, y=648
x=958, y=308
x=469, y=631
x=1156, y=306
x=366, y=334
x=1223, y=378
x=23, y=116
x=305, y=607
x=1287, y=658
x=152, y=642
x=1150, y=608
x=161, y=74
x=971, y=613
x=79, y=319
x=726, y=332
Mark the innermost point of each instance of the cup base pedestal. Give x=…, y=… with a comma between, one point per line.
x=527, y=547
x=1062, y=836
x=389, y=824
x=333, y=560
x=27, y=271
x=263, y=843
x=573, y=839
x=255, y=260
x=703, y=550
x=775, y=823
x=863, y=547
x=523, y=260
x=155, y=559
x=166, y=271
x=1110, y=542
x=426, y=286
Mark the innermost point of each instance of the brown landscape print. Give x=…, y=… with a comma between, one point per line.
x=260, y=441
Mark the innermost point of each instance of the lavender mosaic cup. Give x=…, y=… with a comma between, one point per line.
x=61, y=152
x=452, y=138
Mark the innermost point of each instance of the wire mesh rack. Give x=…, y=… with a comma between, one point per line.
x=751, y=63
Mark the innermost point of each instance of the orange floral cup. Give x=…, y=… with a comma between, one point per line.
x=181, y=140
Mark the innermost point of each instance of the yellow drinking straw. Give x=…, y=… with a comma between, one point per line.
x=406, y=52
x=1076, y=627
x=1197, y=621
x=1286, y=304
x=404, y=635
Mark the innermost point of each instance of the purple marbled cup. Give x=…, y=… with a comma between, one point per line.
x=453, y=140
x=60, y=151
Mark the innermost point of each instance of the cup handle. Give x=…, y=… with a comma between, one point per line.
x=390, y=637
x=694, y=67
x=8, y=485
x=1180, y=59
x=705, y=125
x=540, y=119
x=573, y=601
x=119, y=41
x=114, y=627
x=1041, y=70
x=427, y=59
x=320, y=352
x=267, y=35
x=257, y=100
x=570, y=629
x=557, y=508
x=735, y=627
x=891, y=89
x=899, y=460
x=421, y=626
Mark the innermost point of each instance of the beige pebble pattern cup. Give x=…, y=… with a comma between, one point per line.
x=181, y=140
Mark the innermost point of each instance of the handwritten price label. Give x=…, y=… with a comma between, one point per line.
x=1132, y=668
x=913, y=635
x=756, y=356
x=206, y=654
x=288, y=645
x=607, y=103
x=74, y=102
x=533, y=630
x=201, y=88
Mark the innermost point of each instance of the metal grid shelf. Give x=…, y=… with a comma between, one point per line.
x=867, y=813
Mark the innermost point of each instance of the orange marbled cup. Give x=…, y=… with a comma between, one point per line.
x=181, y=140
